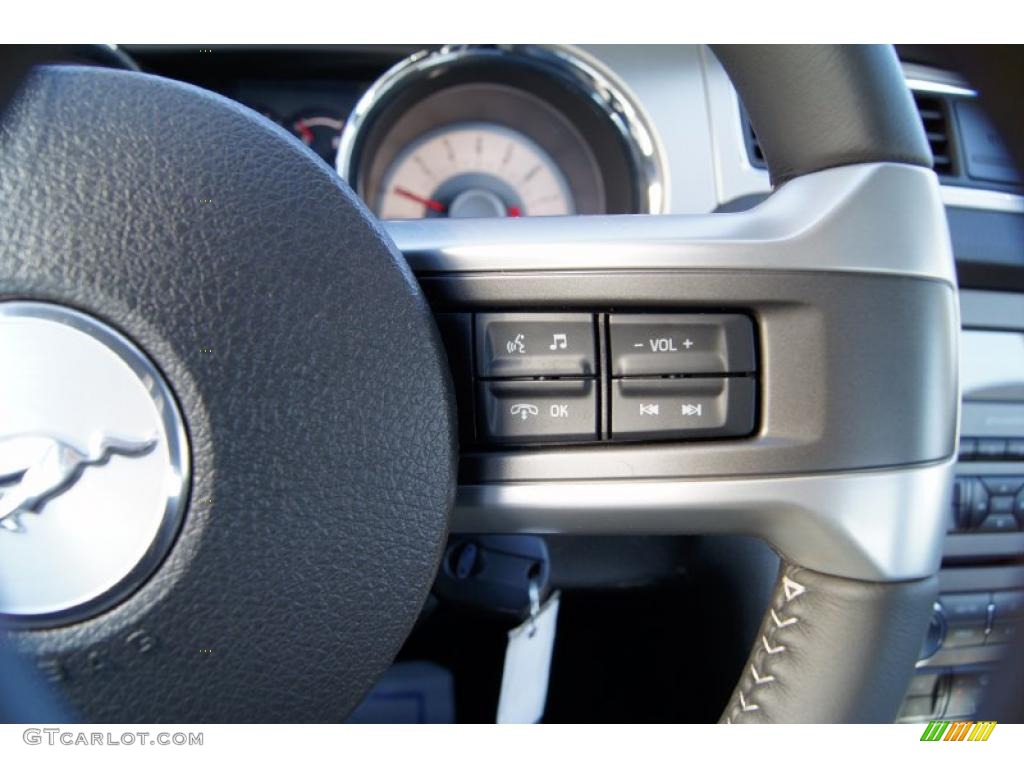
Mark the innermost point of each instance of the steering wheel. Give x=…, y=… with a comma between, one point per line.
x=317, y=467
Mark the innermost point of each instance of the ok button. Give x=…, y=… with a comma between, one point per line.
x=538, y=411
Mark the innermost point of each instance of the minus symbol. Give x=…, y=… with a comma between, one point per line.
x=638, y=345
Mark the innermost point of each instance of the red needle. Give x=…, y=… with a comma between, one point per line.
x=433, y=205
x=514, y=211
x=304, y=131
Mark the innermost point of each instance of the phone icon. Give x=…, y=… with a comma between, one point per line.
x=516, y=345
x=523, y=410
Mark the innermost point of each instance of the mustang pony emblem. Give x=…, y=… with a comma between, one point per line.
x=36, y=468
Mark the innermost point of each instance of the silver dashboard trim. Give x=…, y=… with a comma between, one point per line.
x=603, y=88
x=992, y=310
x=957, y=657
x=875, y=218
x=982, y=199
x=925, y=79
x=881, y=525
x=931, y=86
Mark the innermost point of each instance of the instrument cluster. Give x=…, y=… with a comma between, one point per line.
x=486, y=131
x=454, y=131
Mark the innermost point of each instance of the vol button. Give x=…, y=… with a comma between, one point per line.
x=653, y=345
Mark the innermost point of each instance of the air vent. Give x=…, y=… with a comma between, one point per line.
x=934, y=113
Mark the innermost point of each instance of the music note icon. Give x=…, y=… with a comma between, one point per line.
x=560, y=341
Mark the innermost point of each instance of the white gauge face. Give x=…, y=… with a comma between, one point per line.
x=475, y=170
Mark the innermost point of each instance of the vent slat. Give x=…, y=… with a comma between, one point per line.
x=934, y=118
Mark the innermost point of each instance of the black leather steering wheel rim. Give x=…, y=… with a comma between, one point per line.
x=851, y=106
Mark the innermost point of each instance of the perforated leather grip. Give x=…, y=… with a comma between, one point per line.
x=833, y=650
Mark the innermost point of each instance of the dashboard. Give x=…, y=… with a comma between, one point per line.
x=550, y=130
x=513, y=131
x=455, y=131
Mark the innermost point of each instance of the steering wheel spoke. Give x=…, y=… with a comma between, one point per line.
x=848, y=276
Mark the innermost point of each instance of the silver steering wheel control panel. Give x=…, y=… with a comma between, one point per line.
x=589, y=377
x=756, y=373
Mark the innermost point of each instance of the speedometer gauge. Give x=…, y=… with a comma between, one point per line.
x=473, y=171
x=485, y=131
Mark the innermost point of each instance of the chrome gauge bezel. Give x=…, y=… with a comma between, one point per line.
x=623, y=115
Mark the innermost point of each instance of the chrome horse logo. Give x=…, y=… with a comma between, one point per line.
x=37, y=468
